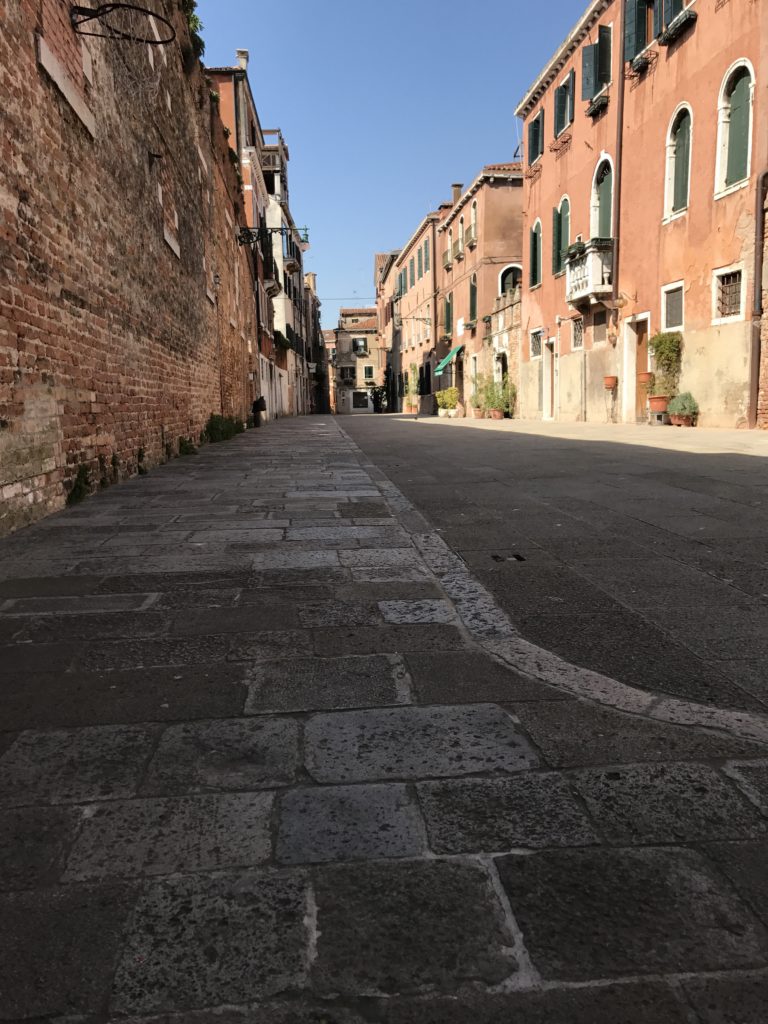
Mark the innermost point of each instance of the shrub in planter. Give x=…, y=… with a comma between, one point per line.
x=683, y=409
x=667, y=348
x=511, y=396
x=495, y=397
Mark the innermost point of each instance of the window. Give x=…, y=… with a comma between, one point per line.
x=599, y=327
x=426, y=255
x=728, y=294
x=359, y=345
x=537, y=337
x=368, y=372
x=420, y=261
x=473, y=220
x=672, y=306
x=461, y=234
x=536, y=137
x=448, y=313
x=561, y=234
x=412, y=272
x=564, y=103
x=347, y=372
x=678, y=163
x=577, y=333
x=473, y=298
x=510, y=278
x=596, y=64
x=734, y=129
x=602, y=201
x=427, y=379
x=642, y=22
x=534, y=275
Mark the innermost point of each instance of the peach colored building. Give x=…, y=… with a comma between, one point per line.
x=359, y=360
x=646, y=138
x=436, y=296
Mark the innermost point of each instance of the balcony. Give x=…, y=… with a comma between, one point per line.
x=447, y=259
x=458, y=249
x=471, y=237
x=589, y=272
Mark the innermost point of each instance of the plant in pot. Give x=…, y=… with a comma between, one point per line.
x=441, y=407
x=683, y=410
x=495, y=398
x=476, y=404
x=667, y=348
x=450, y=401
x=511, y=389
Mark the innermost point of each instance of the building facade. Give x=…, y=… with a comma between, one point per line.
x=359, y=361
x=126, y=311
x=647, y=136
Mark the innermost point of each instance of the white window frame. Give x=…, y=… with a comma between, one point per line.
x=502, y=272
x=606, y=85
x=574, y=346
x=366, y=375
x=540, y=254
x=723, y=111
x=742, y=315
x=542, y=337
x=665, y=289
x=669, y=166
x=473, y=217
x=594, y=205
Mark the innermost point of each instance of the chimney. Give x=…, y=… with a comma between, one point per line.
x=242, y=59
x=456, y=192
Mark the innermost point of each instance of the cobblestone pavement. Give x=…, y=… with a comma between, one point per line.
x=271, y=754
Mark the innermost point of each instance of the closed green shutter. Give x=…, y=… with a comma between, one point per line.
x=604, y=38
x=535, y=268
x=473, y=298
x=561, y=108
x=412, y=272
x=541, y=132
x=589, y=72
x=738, y=128
x=571, y=96
x=426, y=255
x=658, y=17
x=682, y=160
x=532, y=257
x=556, y=227
x=421, y=264
x=632, y=44
x=565, y=229
x=533, y=145
x=674, y=7
x=605, y=201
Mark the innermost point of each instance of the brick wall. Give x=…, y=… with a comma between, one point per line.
x=122, y=326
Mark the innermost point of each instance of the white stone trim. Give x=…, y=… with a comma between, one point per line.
x=55, y=70
x=172, y=242
x=742, y=315
x=723, y=112
x=671, y=287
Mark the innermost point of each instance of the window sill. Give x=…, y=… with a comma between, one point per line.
x=172, y=243
x=674, y=216
x=211, y=297
x=730, y=189
x=559, y=273
x=722, y=321
x=677, y=327
x=534, y=287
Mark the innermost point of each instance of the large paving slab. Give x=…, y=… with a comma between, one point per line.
x=273, y=752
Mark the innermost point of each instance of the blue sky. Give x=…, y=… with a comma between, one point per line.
x=383, y=106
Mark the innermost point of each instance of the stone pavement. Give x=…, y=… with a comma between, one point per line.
x=271, y=754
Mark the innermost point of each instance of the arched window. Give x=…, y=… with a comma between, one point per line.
x=510, y=278
x=561, y=234
x=534, y=269
x=601, y=224
x=450, y=244
x=461, y=232
x=734, y=128
x=473, y=298
x=473, y=219
x=678, y=162
x=448, y=314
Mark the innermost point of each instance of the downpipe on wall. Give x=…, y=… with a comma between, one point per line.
x=757, y=303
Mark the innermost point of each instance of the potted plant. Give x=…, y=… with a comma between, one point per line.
x=476, y=404
x=441, y=407
x=667, y=348
x=511, y=397
x=450, y=398
x=495, y=398
x=683, y=410
x=645, y=377
x=610, y=383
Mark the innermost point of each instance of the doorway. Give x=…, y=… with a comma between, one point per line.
x=641, y=380
x=549, y=369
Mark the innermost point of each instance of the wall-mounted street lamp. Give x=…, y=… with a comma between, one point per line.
x=248, y=236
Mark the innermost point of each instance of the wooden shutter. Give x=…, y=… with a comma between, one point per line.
x=565, y=229
x=556, y=243
x=604, y=36
x=571, y=96
x=682, y=159
x=674, y=7
x=589, y=72
x=473, y=298
x=738, y=129
x=533, y=145
x=532, y=256
x=421, y=264
x=658, y=17
x=605, y=201
x=561, y=108
x=426, y=255
x=632, y=45
x=541, y=131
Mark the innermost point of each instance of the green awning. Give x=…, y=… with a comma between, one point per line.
x=442, y=365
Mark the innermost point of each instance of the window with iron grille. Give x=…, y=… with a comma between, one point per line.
x=729, y=294
x=577, y=336
x=537, y=338
x=599, y=327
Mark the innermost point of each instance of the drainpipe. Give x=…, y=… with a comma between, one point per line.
x=619, y=156
x=757, y=302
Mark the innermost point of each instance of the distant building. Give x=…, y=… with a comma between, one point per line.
x=359, y=362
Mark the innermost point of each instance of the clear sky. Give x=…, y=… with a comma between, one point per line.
x=383, y=106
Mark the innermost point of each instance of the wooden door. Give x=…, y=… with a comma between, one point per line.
x=641, y=388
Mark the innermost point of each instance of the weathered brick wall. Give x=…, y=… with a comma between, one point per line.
x=122, y=326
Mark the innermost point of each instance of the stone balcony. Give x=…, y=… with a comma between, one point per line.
x=589, y=272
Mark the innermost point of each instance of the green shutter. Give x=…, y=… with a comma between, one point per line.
x=472, y=299
x=605, y=202
x=604, y=39
x=682, y=159
x=565, y=229
x=421, y=264
x=532, y=257
x=561, y=108
x=426, y=255
x=533, y=146
x=738, y=129
x=632, y=44
x=589, y=72
x=535, y=268
x=571, y=96
x=674, y=7
x=556, y=260
x=412, y=272
x=658, y=16
x=541, y=131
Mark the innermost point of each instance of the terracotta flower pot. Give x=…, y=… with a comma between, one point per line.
x=478, y=414
x=658, y=403
x=609, y=383
x=497, y=414
x=645, y=377
x=680, y=421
